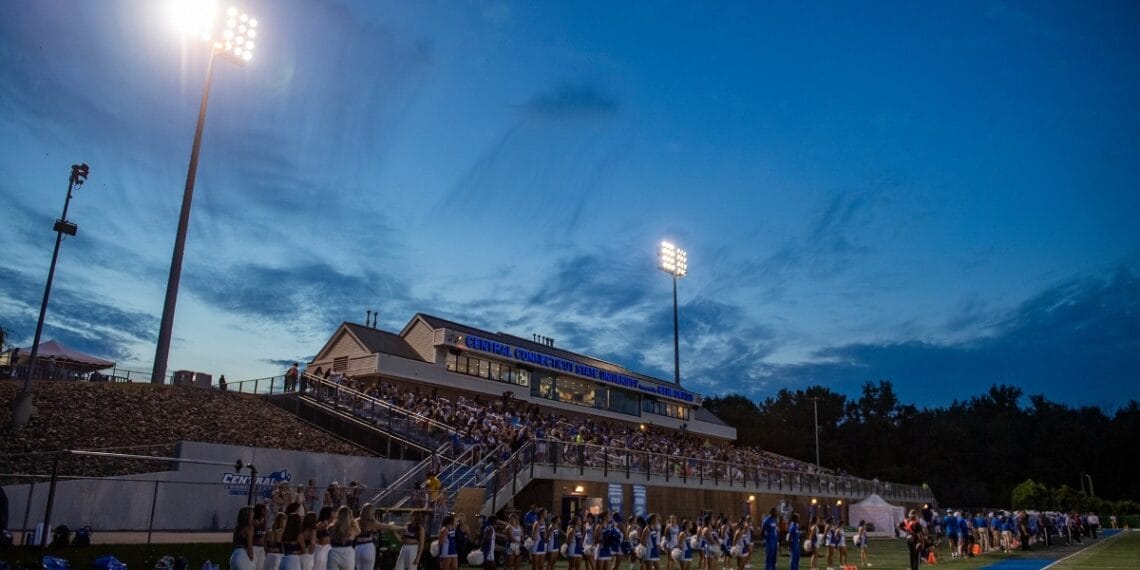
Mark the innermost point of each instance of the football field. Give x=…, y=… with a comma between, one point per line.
x=1118, y=551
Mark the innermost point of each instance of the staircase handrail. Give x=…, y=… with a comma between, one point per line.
x=383, y=403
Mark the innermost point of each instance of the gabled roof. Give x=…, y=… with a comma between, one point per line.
x=438, y=322
x=376, y=340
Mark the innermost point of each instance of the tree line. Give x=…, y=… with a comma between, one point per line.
x=971, y=453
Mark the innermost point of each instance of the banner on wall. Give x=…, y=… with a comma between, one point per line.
x=615, y=496
x=639, y=508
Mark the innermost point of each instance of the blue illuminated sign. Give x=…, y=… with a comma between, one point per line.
x=577, y=368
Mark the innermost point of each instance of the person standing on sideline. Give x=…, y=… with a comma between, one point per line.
x=861, y=543
x=242, y=557
x=794, y=541
x=770, y=531
x=914, y=538
x=412, y=542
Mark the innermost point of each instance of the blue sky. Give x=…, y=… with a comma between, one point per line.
x=939, y=194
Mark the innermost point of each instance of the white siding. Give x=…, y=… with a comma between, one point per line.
x=422, y=340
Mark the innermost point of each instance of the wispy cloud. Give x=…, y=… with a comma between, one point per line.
x=567, y=101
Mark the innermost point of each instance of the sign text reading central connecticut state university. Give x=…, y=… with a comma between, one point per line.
x=576, y=368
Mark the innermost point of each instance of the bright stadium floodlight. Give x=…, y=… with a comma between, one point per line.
x=231, y=35
x=674, y=261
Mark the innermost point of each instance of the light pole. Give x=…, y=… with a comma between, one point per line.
x=1089, y=477
x=815, y=407
x=22, y=408
x=235, y=44
x=675, y=262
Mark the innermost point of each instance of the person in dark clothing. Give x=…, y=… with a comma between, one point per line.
x=915, y=538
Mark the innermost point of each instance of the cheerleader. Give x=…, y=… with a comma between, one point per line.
x=556, y=540
x=685, y=537
x=740, y=546
x=841, y=541
x=818, y=530
x=629, y=545
x=242, y=557
x=652, y=535
x=588, y=542
x=292, y=543
x=727, y=535
x=322, y=547
x=342, y=538
x=273, y=543
x=487, y=543
x=574, y=536
x=538, y=539
x=448, y=553
x=830, y=540
x=746, y=551
x=861, y=543
x=794, y=541
x=703, y=544
x=365, y=546
x=514, y=542
x=411, y=540
x=607, y=538
x=260, y=515
x=672, y=533
x=309, y=536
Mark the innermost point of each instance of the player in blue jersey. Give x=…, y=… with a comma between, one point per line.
x=770, y=530
x=794, y=541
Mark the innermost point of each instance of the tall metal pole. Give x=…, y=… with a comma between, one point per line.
x=1092, y=493
x=815, y=406
x=22, y=408
x=676, y=342
x=162, y=352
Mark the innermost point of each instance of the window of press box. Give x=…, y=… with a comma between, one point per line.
x=655, y=406
x=482, y=368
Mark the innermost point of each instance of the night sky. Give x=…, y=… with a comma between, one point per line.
x=939, y=194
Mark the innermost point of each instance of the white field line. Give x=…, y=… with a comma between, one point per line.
x=1086, y=549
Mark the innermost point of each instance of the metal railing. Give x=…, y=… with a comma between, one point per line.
x=656, y=467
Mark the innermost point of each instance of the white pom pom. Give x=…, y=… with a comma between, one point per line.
x=434, y=549
x=714, y=550
x=693, y=542
x=588, y=550
x=641, y=551
x=675, y=554
x=807, y=544
x=735, y=552
x=475, y=558
x=528, y=544
x=514, y=549
x=562, y=550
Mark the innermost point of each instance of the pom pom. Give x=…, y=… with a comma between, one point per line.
x=675, y=554
x=641, y=551
x=475, y=558
x=434, y=548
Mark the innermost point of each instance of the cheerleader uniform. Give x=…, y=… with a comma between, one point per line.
x=516, y=541
x=239, y=560
x=365, y=551
x=410, y=549
x=671, y=534
x=654, y=551
x=272, y=556
x=342, y=555
x=841, y=537
x=574, y=547
x=540, y=544
x=447, y=548
x=746, y=542
x=587, y=537
x=292, y=556
x=321, y=551
x=258, y=548
x=611, y=538
x=686, y=550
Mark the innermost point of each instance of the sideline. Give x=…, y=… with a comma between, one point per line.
x=1106, y=540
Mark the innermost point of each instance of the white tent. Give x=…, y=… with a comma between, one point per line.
x=878, y=512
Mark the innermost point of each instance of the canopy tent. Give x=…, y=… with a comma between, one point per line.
x=878, y=512
x=54, y=360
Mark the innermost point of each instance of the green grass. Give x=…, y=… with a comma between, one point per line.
x=136, y=556
x=1120, y=551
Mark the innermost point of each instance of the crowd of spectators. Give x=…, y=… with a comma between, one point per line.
x=486, y=423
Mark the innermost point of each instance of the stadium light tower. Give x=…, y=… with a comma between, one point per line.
x=231, y=35
x=675, y=262
x=22, y=408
